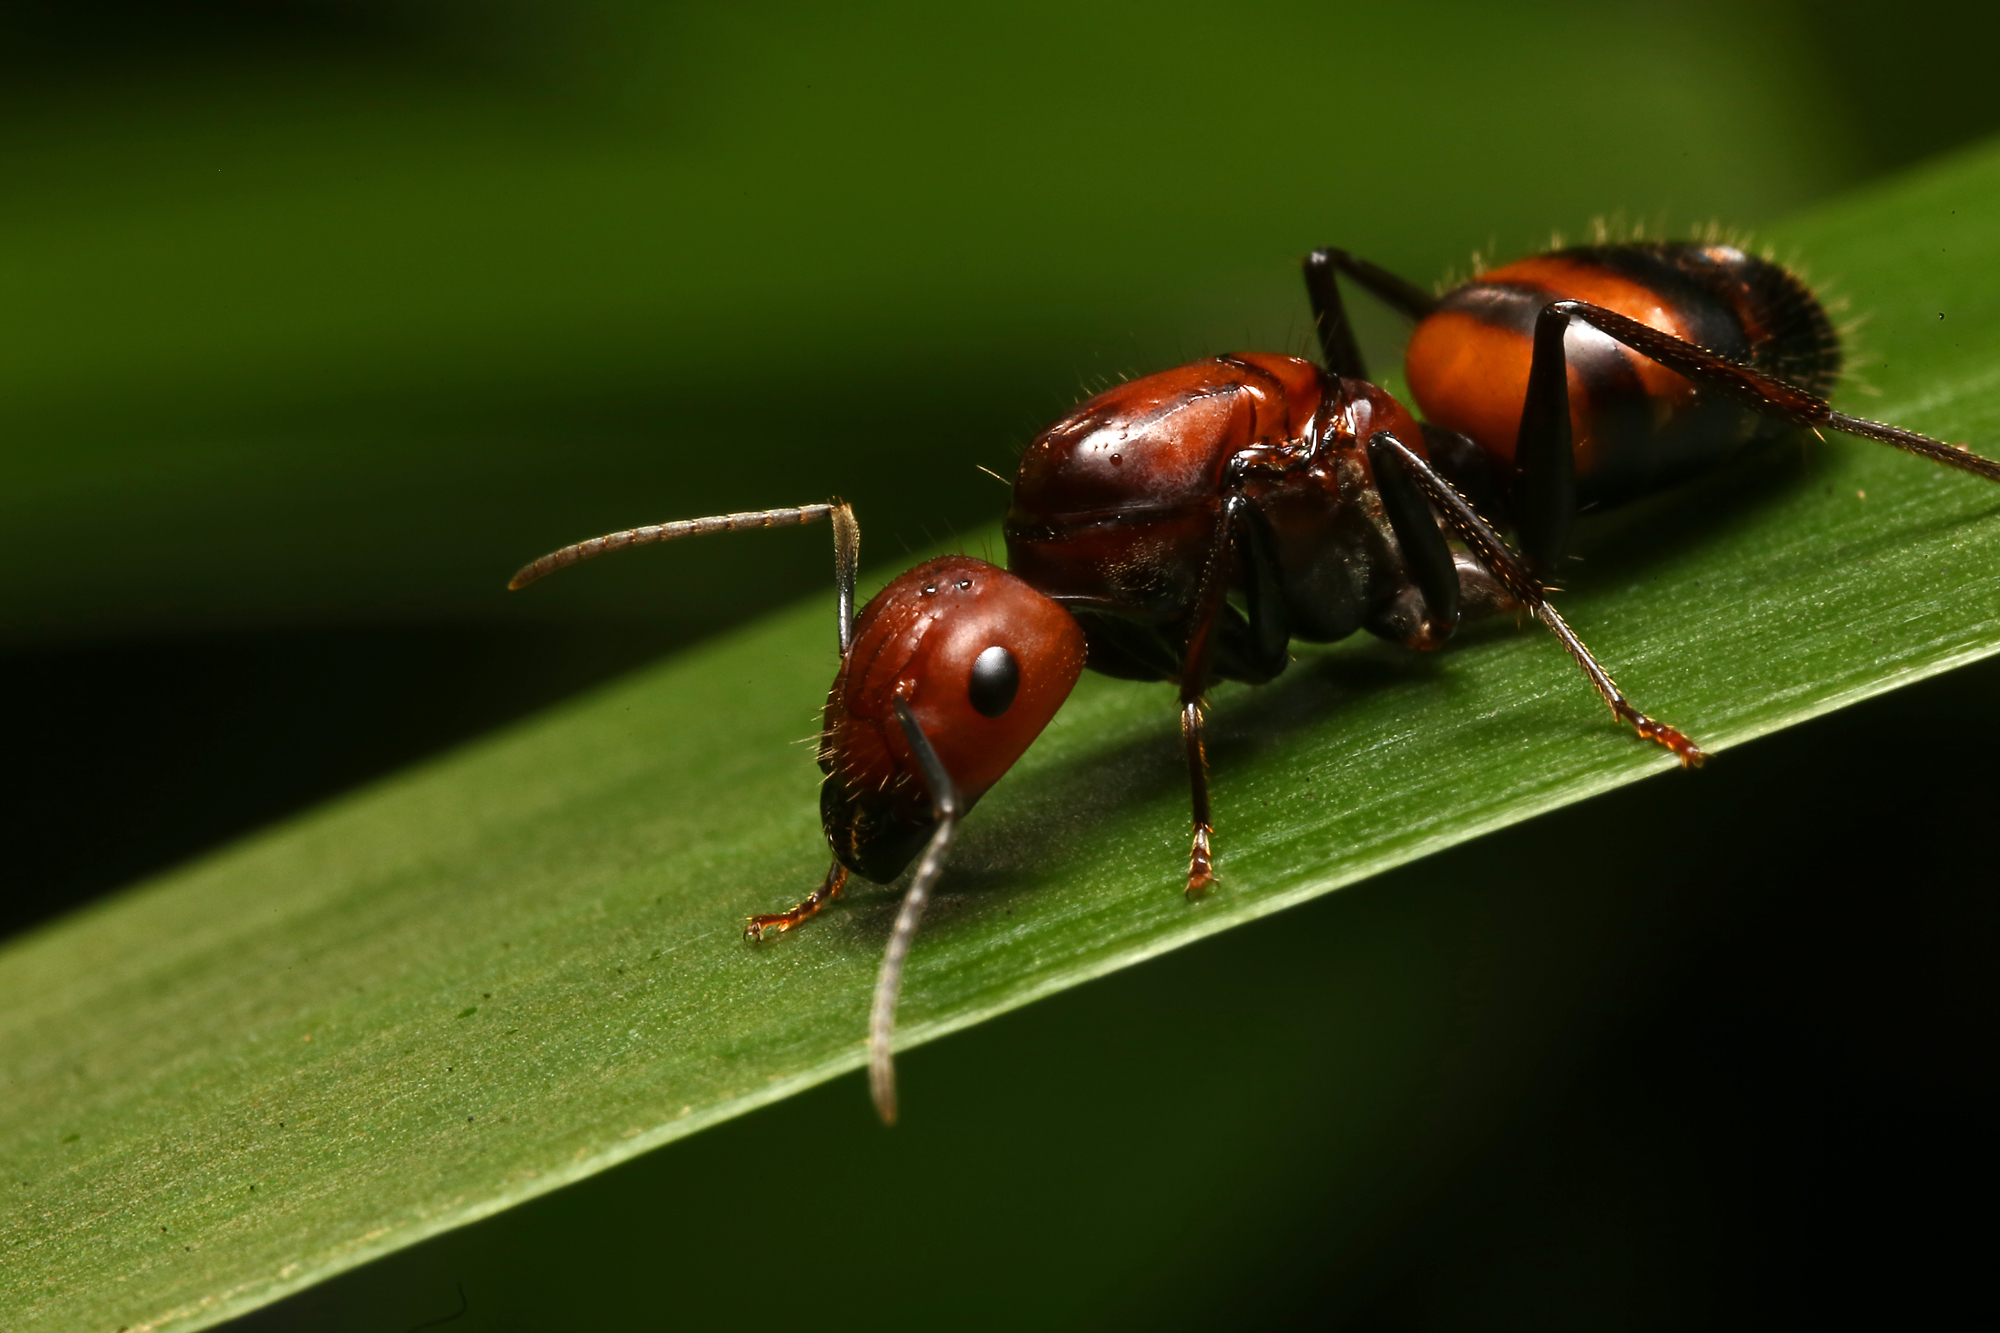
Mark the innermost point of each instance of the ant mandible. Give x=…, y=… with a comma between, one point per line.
x=1583, y=377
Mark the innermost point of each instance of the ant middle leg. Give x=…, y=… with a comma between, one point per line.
x=1472, y=472
x=1446, y=587
x=1427, y=612
x=1201, y=854
x=1514, y=575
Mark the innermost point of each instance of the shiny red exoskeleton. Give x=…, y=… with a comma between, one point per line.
x=1187, y=526
x=1116, y=507
x=946, y=677
x=981, y=661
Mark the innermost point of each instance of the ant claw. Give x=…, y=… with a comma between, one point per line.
x=1201, y=867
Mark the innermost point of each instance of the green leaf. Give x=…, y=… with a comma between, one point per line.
x=521, y=964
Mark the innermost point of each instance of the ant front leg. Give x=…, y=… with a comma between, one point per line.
x=1254, y=647
x=1514, y=576
x=1268, y=636
x=846, y=561
x=777, y=923
x=1201, y=856
x=1330, y=322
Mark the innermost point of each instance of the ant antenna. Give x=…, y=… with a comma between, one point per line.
x=889, y=982
x=666, y=532
x=846, y=547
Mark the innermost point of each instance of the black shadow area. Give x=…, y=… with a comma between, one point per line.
x=127, y=758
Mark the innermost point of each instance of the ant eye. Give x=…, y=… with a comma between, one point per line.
x=995, y=678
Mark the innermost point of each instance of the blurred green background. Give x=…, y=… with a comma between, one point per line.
x=322, y=317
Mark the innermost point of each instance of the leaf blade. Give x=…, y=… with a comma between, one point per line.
x=515, y=966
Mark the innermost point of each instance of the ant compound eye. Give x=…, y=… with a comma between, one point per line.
x=996, y=676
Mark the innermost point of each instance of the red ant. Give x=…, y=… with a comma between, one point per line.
x=1186, y=526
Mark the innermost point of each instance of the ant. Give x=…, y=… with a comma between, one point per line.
x=1187, y=525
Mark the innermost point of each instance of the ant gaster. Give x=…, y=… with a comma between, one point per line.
x=1186, y=526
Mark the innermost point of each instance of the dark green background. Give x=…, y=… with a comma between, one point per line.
x=321, y=317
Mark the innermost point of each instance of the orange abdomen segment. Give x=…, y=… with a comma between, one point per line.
x=1471, y=376
x=1468, y=362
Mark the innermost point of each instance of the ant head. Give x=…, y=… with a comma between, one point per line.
x=982, y=660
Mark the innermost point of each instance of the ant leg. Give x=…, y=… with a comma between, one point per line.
x=762, y=927
x=1426, y=557
x=1253, y=647
x=1479, y=595
x=1405, y=298
x=846, y=560
x=1505, y=566
x=945, y=807
x=1209, y=602
x=1201, y=855
x=1126, y=650
x=1543, y=498
x=1471, y=471
x=1336, y=334
x=846, y=546
x=1764, y=393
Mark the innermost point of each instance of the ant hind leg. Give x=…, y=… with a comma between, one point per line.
x=1542, y=499
x=1336, y=333
x=1747, y=385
